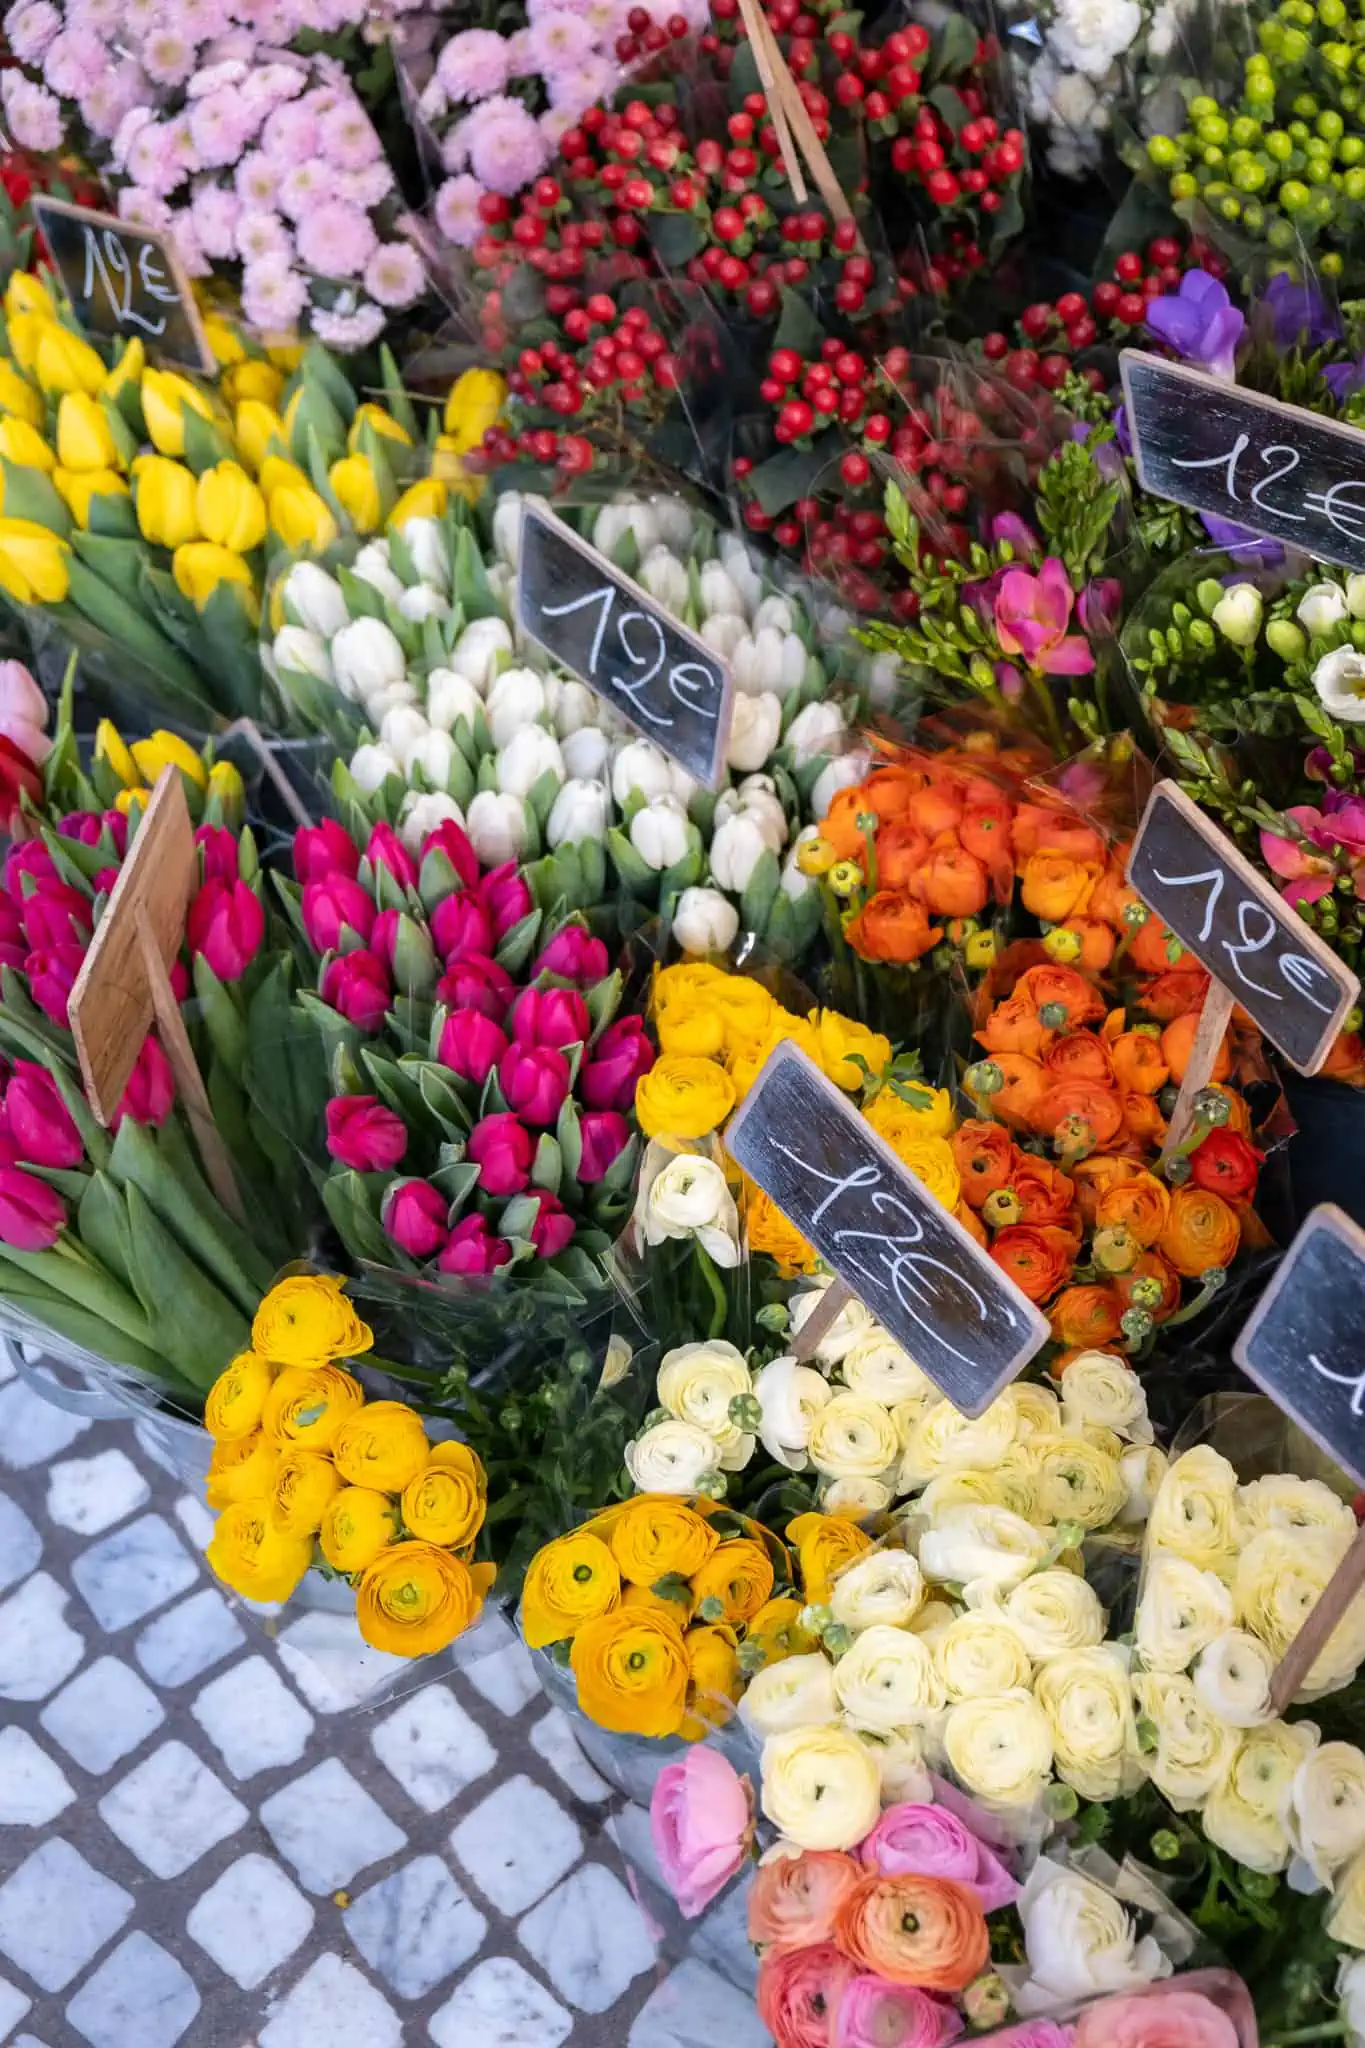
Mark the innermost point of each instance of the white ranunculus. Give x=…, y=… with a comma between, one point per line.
x=451, y=697
x=366, y=656
x=527, y=756
x=704, y=921
x=1100, y=1388
x=371, y=565
x=854, y=1497
x=1326, y=1817
x=479, y=650
x=421, y=814
x=1246, y=1813
x=665, y=578
x=1079, y=1940
x=796, y=1692
x=426, y=543
x=1322, y=606
x=1000, y=1749
x=315, y=599
x=300, y=649
x=719, y=593
x=497, y=827
x=888, y=1680
x=736, y=850
x=614, y=522
x=791, y=1396
x=816, y=730
x=886, y=1587
x=640, y=765
x=572, y=705
x=422, y=602
x=967, y=1545
x=769, y=660
x=979, y=1657
x=820, y=1787
x=1280, y=1577
x=698, y=1383
x=1232, y=1678
x=515, y=698
x=840, y=773
x=899, y=1757
x=738, y=564
x=371, y=765
x=1050, y=1611
x=877, y=1365
x=1281, y=1500
x=1237, y=614
x=580, y=811
x=1339, y=680
x=1088, y=1701
x=755, y=730
x=672, y=1457
x=1181, y=1608
x=1195, y=1509
x=1194, y=1748
x=1142, y=1467
x=434, y=754
x=723, y=634
x=777, y=612
x=659, y=833
x=403, y=729
x=689, y=1197
x=586, y=753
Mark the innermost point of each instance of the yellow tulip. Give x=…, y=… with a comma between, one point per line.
x=63, y=362
x=256, y=424
x=277, y=470
x=80, y=487
x=21, y=443
x=475, y=402
x=25, y=330
x=383, y=423
x=225, y=782
x=26, y=293
x=224, y=340
x=300, y=517
x=18, y=396
x=231, y=509
x=285, y=354
x=447, y=465
x=165, y=501
x=83, y=437
x=254, y=379
x=201, y=565
x=165, y=396
x=357, y=488
x=111, y=746
x=32, y=563
x=126, y=798
x=424, y=500
x=166, y=750
x=128, y=369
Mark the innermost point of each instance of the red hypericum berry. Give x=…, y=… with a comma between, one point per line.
x=877, y=106
x=655, y=38
x=1152, y=286
x=771, y=392
x=627, y=49
x=1163, y=249
x=1053, y=370
x=1006, y=160
x=859, y=270
x=855, y=469
x=876, y=428
x=929, y=157
x=902, y=154
x=732, y=272
x=849, y=367
x=848, y=296
x=1070, y=307
x=743, y=162
x=1129, y=266
x=942, y=187
x=742, y=463
x=995, y=347
x=973, y=179
x=545, y=192
x=842, y=45
x=902, y=81
x=667, y=372
x=1021, y=366
x=818, y=375
x=1131, y=309
x=762, y=298
x=544, y=445
x=637, y=193
x=755, y=518
x=845, y=235
x=1082, y=332
x=848, y=89
x=785, y=364
x=1170, y=275
x=710, y=156
x=794, y=269
x=795, y=419
x=990, y=202
x=895, y=363
x=494, y=208
x=1105, y=298
x=787, y=533
x=575, y=454
x=825, y=400
x=683, y=194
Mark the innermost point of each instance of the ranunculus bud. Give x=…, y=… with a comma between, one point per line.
x=406, y=950
x=502, y=1148
x=56, y=916
x=52, y=972
x=553, y=1228
x=473, y=1249
x=449, y=839
x=474, y=982
x=506, y=898
x=219, y=850
x=551, y=1016
x=414, y=1214
x=357, y=984
x=534, y=1081
x=471, y=1044
x=574, y=954
x=333, y=904
x=462, y=924
x=32, y=1215
x=605, y=1135
x=150, y=1092
x=385, y=849
x=363, y=1134
x=226, y=923
x=39, y=1121
x=621, y=1055
x=325, y=849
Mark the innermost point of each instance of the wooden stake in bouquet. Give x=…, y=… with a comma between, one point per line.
x=796, y=136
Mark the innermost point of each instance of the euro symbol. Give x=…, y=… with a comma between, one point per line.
x=1325, y=502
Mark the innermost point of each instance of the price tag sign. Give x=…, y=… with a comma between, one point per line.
x=908, y=1261
x=1275, y=468
x=612, y=634
x=1292, y=986
x=123, y=280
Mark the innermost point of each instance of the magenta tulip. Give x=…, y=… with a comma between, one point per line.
x=150, y=1092
x=39, y=1121
x=506, y=897
x=56, y=915
x=455, y=845
x=384, y=849
x=87, y=826
x=11, y=921
x=553, y=1228
x=219, y=850
x=363, y=1134
x=605, y=1135
x=534, y=1080
x=473, y=1249
x=551, y=1016
x=473, y=982
x=332, y=904
x=461, y=925
x=357, y=984
x=226, y=924
x=322, y=850
x=575, y=955
x=52, y=972
x=471, y=1045
x=32, y=1215
x=28, y=857
x=502, y=1149
x=116, y=825
x=621, y=1055
x=104, y=881
x=414, y=1214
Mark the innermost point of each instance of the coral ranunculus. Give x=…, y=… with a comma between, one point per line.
x=985, y=1158
x=901, y=852
x=1090, y=1102
x=952, y=882
x=1079, y=1056
x=1015, y=1026
x=892, y=927
x=1055, y=887
x=1045, y=1194
x=1151, y=1266
x=1049, y=987
x=1036, y=1260
x=798, y=1994
x=1139, y=1064
x=1089, y=1317
x=1201, y=1231
x=1142, y=1205
x=1020, y=1098
x=794, y=1900
x=926, y=1931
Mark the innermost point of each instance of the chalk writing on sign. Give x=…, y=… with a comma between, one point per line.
x=123, y=280
x=1302, y=1342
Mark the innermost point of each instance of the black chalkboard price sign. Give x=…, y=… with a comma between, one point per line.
x=1303, y=1343
x=1292, y=986
x=1274, y=468
x=123, y=280
x=908, y=1261
x=604, y=627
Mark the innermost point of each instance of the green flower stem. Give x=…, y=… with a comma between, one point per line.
x=720, y=1307
x=1039, y=686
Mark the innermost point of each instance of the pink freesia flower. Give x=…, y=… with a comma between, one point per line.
x=928, y=1841
x=1031, y=617
x=873, y=2013
x=701, y=1823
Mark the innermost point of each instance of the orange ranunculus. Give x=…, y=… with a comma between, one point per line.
x=1095, y=1176
x=1151, y=1266
x=1046, y=985
x=1079, y=1056
x=794, y=1901
x=985, y=1158
x=1201, y=1231
x=1138, y=1062
x=952, y=882
x=985, y=828
x=1177, y=1042
x=1346, y=1060
x=1014, y=1026
x=1226, y=1164
x=1111, y=897
x=1156, y=949
x=1087, y=1316
x=1036, y=1260
x=1175, y=993
x=1095, y=1104
x=892, y=927
x=901, y=850
x=938, y=807
x=840, y=824
x=1097, y=940
x=1055, y=887
x=888, y=791
x=1143, y=1123
x=1239, y=1116
x=1025, y=1086
x=1054, y=828
x=972, y=1224
x=926, y=1931
x=1045, y=1194
x=1142, y=1204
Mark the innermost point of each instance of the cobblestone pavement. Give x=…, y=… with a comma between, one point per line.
x=203, y=1839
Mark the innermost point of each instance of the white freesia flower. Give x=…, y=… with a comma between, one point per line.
x=300, y=649
x=888, y=1680
x=315, y=599
x=1232, y=1677
x=672, y=1457
x=422, y=602
x=640, y=765
x=1322, y=606
x=1339, y=680
x=434, y=754
x=497, y=827
x=371, y=565
x=704, y=921
x=665, y=578
x=840, y=773
x=885, y=1586
x=723, y=634
x=719, y=593
x=1237, y=614
x=820, y=1787
x=479, y=650
x=420, y=815
x=582, y=810
x=527, y=756
x=769, y=660
x=1326, y=1819
x=1080, y=1940
x=968, y=1545
x=790, y=1396
x=451, y=697
x=736, y=849
x=586, y=753
x=756, y=728
x=1194, y=1747
x=796, y=1692
x=659, y=833
x=402, y=729
x=689, y=1196
x=366, y=657
x=614, y=522
x=426, y=542
x=816, y=730
x=515, y=699
x=371, y=765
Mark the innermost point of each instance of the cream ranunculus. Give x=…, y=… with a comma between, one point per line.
x=1142, y=1468
x=1244, y=1814
x=978, y=1657
x=1180, y=1610
x=1284, y=1501
x=852, y=1322
x=1232, y=1678
x=1037, y=1412
x=821, y=1787
x=686, y=1195
x=1346, y=1919
x=1280, y=1577
x=1088, y=1702
x=697, y=1383
x=790, y=1397
x=852, y=1437
x=943, y=1440
x=854, y=1497
x=1051, y=1611
x=1075, y=1481
x=876, y=1365
x=1098, y=1387
x=1195, y=1510
x=796, y=1692
x=899, y=1757
x=969, y=1545
x=1351, y=1975
x=673, y=1457
x=1080, y=1939
x=974, y=1489
x=1194, y=1748
x=1326, y=1817
x=1000, y=1750
x=885, y=1586
x=887, y=1680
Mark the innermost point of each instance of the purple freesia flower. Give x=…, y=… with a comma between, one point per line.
x=1298, y=312
x=1200, y=323
x=1097, y=612
x=1342, y=379
x=1123, y=437
x=1242, y=544
x=1020, y=535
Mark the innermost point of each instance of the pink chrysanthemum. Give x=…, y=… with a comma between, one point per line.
x=346, y=137
x=153, y=161
x=257, y=179
x=348, y=330
x=560, y=41
x=110, y=97
x=506, y=148
x=219, y=126
x=336, y=239
x=74, y=61
x=97, y=16
x=273, y=296
x=263, y=238
x=167, y=58
x=187, y=246
x=591, y=83
x=144, y=209
x=303, y=186
x=473, y=65
x=457, y=211
x=365, y=188
x=394, y=274
x=290, y=136
x=35, y=115
x=31, y=28
x=215, y=209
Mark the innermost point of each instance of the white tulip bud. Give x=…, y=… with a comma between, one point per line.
x=451, y=697
x=753, y=800
x=422, y=602
x=571, y=704
x=380, y=703
x=1237, y=614
x=421, y=814
x=516, y=698
x=497, y=827
x=842, y=772
x=478, y=649
x=434, y=754
x=640, y=765
x=659, y=832
x=371, y=565
x=723, y=634
x=665, y=578
x=883, y=679
x=1355, y=596
x=299, y=648
x=367, y=657
x=775, y=612
x=401, y=730
x=315, y=599
x=426, y=543
x=816, y=730
x=705, y=921
x=755, y=729
x=736, y=850
x=674, y=517
x=371, y=767
x=1321, y=607
x=719, y=593
x=585, y=754
x=507, y=524
x=528, y=755
x=614, y=522
x=580, y=812
x=739, y=567
x=769, y=660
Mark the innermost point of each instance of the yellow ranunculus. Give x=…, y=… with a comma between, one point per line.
x=840, y=1037
x=739, y=1574
x=127, y=370
x=63, y=362
x=22, y=444
x=18, y=396
x=236, y=1398
x=254, y=1556
x=415, y=1599
x=80, y=488
x=111, y=746
x=696, y=1029
x=230, y=509
x=383, y=424
x=772, y=1232
x=447, y=1501
x=777, y=1632
x=824, y=1545
x=252, y=380
x=357, y=1524
x=308, y=1404
x=256, y=425
x=163, y=749
x=225, y=783
x=224, y=340
x=476, y=400
x=384, y=1446
x=84, y=439
x=307, y=1320
x=632, y=1671
x=201, y=565
x=32, y=563
x=425, y=500
x=357, y=487
x=26, y=293
x=25, y=330
x=164, y=500
x=658, y=1537
x=929, y=1116
x=713, y=1665
x=934, y=1165
x=305, y=1485
x=165, y=398
x=570, y=1581
x=300, y=517
x=241, y=1468
x=683, y=1098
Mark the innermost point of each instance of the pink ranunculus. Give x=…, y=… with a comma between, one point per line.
x=150, y=1094
x=1158, y=2016
x=448, y=839
x=551, y=1016
x=414, y=1214
x=357, y=984
x=575, y=955
x=1293, y=859
x=473, y=1249
x=534, y=1080
x=364, y=1135
x=502, y=1148
x=86, y=826
x=28, y=857
x=798, y=1994
x=219, y=849
x=333, y=904
x=927, y=1841
x=622, y=1054
x=553, y=1228
x=701, y=1822
x=23, y=712
x=471, y=1045
x=32, y=1214
x=506, y=897
x=1031, y=617
x=56, y=915
x=873, y=2013
x=474, y=982
x=226, y=923
x=39, y=1121
x=460, y=924
x=52, y=972
x=605, y=1135
x=325, y=849
x=384, y=849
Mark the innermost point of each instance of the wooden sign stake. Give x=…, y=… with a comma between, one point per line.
x=1213, y=1023
x=821, y=1320
x=251, y=733
x=793, y=124
x=1337, y=1595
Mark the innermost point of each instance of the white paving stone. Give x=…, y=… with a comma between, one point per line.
x=333, y=2004
x=328, y=1827
x=91, y=1494
x=139, y=1994
x=251, y=1920
x=13, y=2006
x=32, y=1430
x=171, y=1810
x=103, y=1714
x=57, y=1912
x=136, y=1569
x=694, y=2008
x=33, y=1789
x=433, y=1748
x=184, y=1642
x=197, y=1520
x=590, y=1938
x=500, y=2005
x=253, y=1719
x=416, y=1927
x=553, y=1738
x=332, y=1666
x=20, y=1544
x=507, y=1679
x=37, y=1647
x=516, y=1844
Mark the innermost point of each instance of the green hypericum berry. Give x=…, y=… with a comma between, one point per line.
x=1350, y=149
x=1245, y=131
x=1331, y=13
x=1353, y=184
x=1162, y=152
x=1183, y=186
x=1330, y=125
x=1248, y=175
x=1279, y=145
x=1331, y=264
x=1294, y=196
x=1211, y=128
x=1201, y=106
